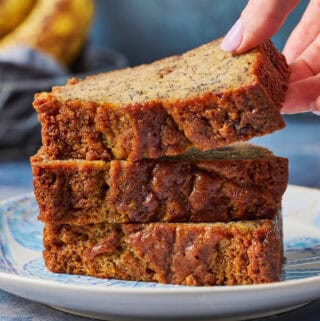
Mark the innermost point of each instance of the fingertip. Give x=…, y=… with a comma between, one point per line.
x=287, y=55
x=285, y=110
x=302, y=96
x=290, y=53
x=233, y=38
x=261, y=20
x=315, y=108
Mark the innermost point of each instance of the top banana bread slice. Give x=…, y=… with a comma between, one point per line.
x=204, y=98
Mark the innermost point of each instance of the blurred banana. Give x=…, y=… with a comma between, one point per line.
x=55, y=27
x=12, y=12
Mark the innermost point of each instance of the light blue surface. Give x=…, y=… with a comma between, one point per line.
x=13, y=308
x=16, y=173
x=15, y=178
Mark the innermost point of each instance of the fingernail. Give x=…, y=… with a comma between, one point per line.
x=233, y=38
x=316, y=113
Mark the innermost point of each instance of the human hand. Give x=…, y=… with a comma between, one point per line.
x=262, y=19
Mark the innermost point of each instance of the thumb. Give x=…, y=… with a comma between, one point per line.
x=259, y=21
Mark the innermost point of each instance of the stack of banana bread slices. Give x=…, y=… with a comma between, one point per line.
x=141, y=175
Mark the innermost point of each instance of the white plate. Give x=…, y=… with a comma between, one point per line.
x=22, y=272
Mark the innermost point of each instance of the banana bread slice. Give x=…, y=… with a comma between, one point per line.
x=238, y=182
x=204, y=98
x=179, y=253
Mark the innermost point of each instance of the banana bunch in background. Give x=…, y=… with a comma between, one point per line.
x=12, y=12
x=55, y=27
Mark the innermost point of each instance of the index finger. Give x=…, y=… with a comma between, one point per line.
x=260, y=20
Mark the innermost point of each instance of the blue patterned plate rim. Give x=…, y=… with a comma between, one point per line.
x=16, y=198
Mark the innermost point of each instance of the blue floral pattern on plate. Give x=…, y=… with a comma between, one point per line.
x=25, y=229
x=21, y=233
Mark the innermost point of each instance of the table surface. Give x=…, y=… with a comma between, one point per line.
x=299, y=141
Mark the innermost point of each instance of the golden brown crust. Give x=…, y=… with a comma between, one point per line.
x=89, y=120
x=188, y=189
x=188, y=254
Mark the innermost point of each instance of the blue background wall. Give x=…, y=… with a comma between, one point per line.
x=145, y=30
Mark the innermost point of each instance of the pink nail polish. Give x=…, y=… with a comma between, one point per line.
x=233, y=38
x=316, y=113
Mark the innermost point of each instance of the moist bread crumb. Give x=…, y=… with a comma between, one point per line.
x=238, y=182
x=204, y=98
x=247, y=252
